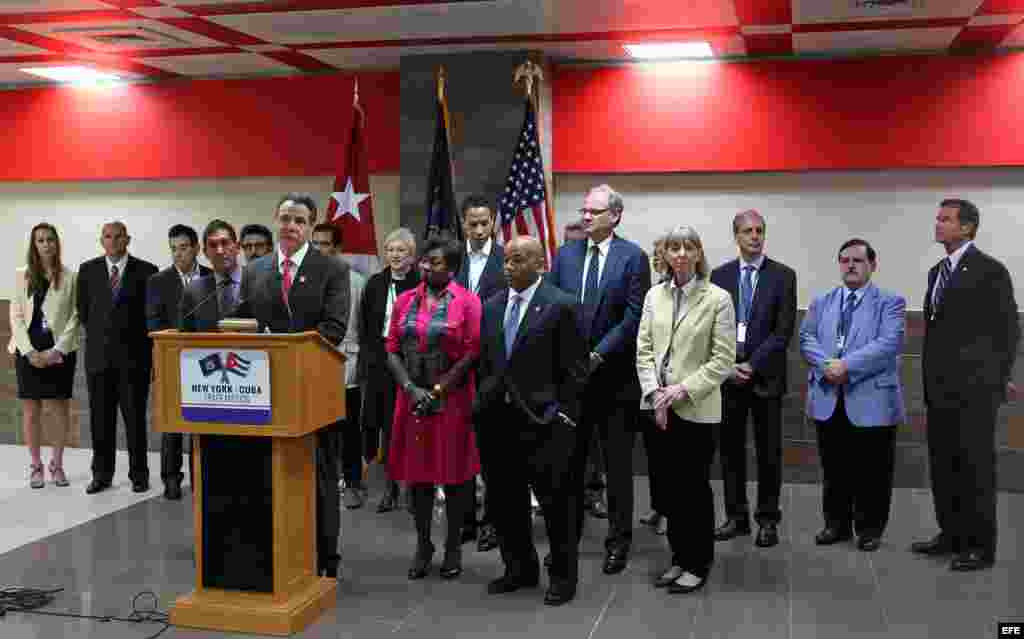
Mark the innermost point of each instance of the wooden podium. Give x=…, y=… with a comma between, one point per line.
x=255, y=492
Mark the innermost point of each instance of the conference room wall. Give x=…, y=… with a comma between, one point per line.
x=148, y=208
x=809, y=215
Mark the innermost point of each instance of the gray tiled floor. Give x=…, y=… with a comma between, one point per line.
x=793, y=591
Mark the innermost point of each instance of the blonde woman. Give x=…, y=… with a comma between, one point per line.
x=686, y=348
x=44, y=339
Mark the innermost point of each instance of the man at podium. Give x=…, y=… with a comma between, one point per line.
x=292, y=290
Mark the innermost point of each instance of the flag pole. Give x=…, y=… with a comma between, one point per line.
x=442, y=97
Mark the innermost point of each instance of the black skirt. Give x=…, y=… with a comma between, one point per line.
x=52, y=382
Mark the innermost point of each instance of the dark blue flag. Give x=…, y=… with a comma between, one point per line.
x=442, y=217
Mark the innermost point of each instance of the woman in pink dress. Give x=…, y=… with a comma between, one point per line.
x=433, y=342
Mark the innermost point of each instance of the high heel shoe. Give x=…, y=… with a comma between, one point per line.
x=420, y=567
x=57, y=472
x=36, y=478
x=452, y=565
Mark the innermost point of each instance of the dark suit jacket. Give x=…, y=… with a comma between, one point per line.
x=545, y=374
x=163, y=296
x=371, y=316
x=492, y=280
x=116, y=331
x=772, y=320
x=199, y=302
x=970, y=345
x=320, y=297
x=624, y=283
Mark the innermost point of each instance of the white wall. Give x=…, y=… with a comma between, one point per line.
x=149, y=208
x=811, y=214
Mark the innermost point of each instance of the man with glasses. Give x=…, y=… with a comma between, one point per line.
x=609, y=276
x=257, y=241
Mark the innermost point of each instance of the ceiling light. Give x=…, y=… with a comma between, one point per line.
x=670, y=50
x=72, y=75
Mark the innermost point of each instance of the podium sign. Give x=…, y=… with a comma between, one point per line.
x=226, y=387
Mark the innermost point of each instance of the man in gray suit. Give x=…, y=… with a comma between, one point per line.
x=292, y=290
x=211, y=298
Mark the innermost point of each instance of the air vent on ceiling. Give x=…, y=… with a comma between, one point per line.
x=887, y=4
x=111, y=36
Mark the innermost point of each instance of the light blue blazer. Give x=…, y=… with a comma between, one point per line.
x=874, y=394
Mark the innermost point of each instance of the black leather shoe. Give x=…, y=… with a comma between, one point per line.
x=767, y=536
x=652, y=518
x=140, y=485
x=662, y=526
x=868, y=543
x=732, y=528
x=547, y=560
x=511, y=583
x=667, y=577
x=677, y=588
x=972, y=560
x=937, y=545
x=387, y=503
x=420, y=567
x=451, y=567
x=488, y=539
x=329, y=569
x=599, y=509
x=96, y=485
x=558, y=595
x=172, y=490
x=615, y=562
x=468, y=534
x=830, y=535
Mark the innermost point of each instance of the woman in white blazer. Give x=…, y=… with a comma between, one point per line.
x=44, y=340
x=686, y=348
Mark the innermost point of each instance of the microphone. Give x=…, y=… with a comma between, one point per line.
x=220, y=285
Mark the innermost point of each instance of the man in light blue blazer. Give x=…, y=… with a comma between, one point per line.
x=852, y=339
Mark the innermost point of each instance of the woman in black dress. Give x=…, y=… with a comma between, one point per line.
x=374, y=320
x=44, y=340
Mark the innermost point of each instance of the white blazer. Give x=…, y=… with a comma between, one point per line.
x=59, y=308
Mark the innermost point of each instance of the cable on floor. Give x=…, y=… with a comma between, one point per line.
x=30, y=600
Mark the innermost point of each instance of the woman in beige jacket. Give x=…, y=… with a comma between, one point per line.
x=686, y=348
x=44, y=340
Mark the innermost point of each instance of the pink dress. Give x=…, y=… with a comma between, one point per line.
x=439, y=448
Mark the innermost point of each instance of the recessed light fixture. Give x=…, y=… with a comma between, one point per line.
x=73, y=75
x=656, y=50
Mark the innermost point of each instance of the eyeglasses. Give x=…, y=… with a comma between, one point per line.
x=593, y=212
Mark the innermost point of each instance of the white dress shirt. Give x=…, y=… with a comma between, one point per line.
x=526, y=295
x=120, y=264
x=954, y=260
x=186, y=278
x=602, y=256
x=477, y=262
x=296, y=259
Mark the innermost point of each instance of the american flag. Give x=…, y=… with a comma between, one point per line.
x=524, y=205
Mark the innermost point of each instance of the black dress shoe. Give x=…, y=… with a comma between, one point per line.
x=468, y=534
x=488, y=538
x=172, y=490
x=767, y=536
x=868, y=543
x=972, y=560
x=96, y=485
x=140, y=485
x=677, y=588
x=386, y=504
x=615, y=562
x=511, y=583
x=559, y=595
x=451, y=567
x=599, y=509
x=937, y=545
x=652, y=518
x=662, y=527
x=666, y=578
x=732, y=528
x=329, y=569
x=420, y=567
x=831, y=535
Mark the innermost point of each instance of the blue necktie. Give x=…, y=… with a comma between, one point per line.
x=940, y=284
x=746, y=294
x=590, y=292
x=847, y=306
x=512, y=325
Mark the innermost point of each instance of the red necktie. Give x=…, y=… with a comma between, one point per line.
x=286, y=284
x=113, y=277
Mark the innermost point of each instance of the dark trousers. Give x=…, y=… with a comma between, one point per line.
x=171, y=449
x=108, y=390
x=857, y=469
x=737, y=403
x=690, y=506
x=328, y=498
x=379, y=408
x=352, y=439
x=483, y=447
x=962, y=460
x=614, y=422
x=534, y=456
x=458, y=498
x=654, y=444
